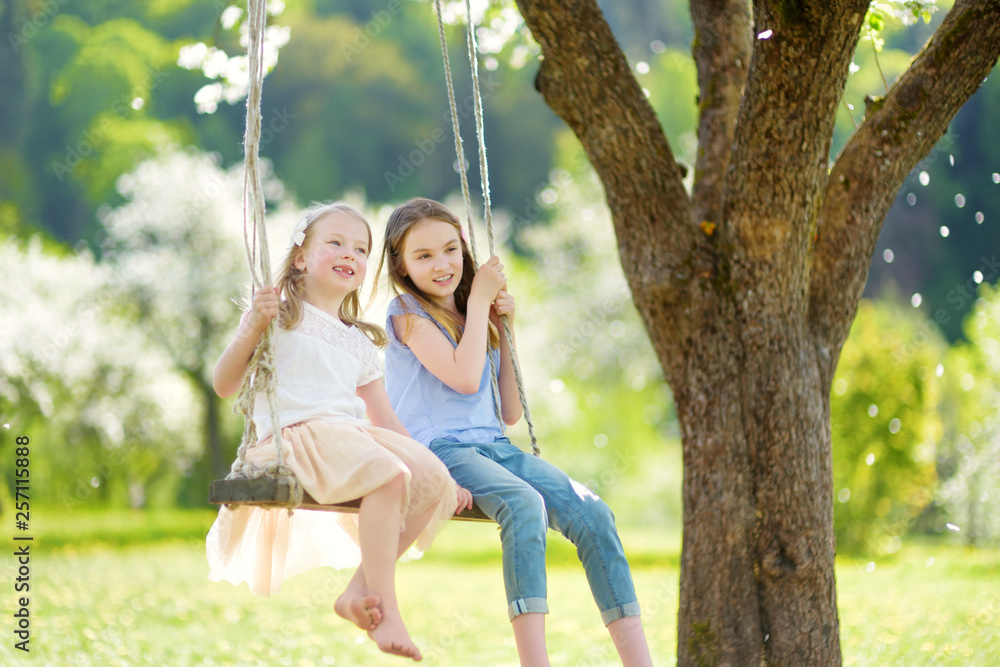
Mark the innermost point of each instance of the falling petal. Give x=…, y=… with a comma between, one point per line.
x=945, y=231
x=765, y=35
x=960, y=200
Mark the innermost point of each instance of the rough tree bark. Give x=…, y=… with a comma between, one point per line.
x=748, y=321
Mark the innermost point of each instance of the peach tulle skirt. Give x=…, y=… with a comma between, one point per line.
x=334, y=463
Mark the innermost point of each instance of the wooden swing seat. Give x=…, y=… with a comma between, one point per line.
x=277, y=492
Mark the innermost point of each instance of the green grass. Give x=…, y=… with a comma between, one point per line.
x=118, y=527
x=149, y=603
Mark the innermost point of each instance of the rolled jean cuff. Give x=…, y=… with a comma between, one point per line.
x=615, y=613
x=527, y=606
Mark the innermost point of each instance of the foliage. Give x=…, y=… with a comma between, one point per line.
x=885, y=426
x=106, y=416
x=230, y=73
x=595, y=386
x=970, y=454
x=91, y=113
x=905, y=12
x=177, y=245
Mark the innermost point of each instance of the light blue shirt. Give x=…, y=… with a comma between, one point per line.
x=429, y=408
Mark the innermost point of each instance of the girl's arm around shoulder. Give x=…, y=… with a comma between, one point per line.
x=232, y=365
x=378, y=407
x=381, y=414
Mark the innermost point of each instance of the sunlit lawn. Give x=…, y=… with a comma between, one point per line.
x=151, y=604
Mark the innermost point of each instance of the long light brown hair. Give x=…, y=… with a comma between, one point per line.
x=402, y=220
x=289, y=280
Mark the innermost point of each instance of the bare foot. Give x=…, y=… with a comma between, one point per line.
x=391, y=637
x=362, y=611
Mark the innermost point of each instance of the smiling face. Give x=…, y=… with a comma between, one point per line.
x=334, y=257
x=432, y=259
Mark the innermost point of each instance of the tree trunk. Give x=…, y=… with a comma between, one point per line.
x=748, y=314
x=213, y=430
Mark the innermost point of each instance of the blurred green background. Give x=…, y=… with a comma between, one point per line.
x=121, y=257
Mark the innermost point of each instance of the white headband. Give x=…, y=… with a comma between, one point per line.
x=299, y=233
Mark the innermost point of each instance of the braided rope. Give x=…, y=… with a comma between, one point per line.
x=466, y=196
x=484, y=178
x=261, y=373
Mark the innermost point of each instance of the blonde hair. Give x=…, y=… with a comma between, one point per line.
x=402, y=220
x=289, y=279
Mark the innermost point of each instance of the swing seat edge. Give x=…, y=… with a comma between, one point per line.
x=277, y=492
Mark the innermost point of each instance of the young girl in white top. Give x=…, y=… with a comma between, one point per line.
x=328, y=378
x=443, y=329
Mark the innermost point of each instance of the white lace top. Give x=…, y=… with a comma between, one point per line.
x=320, y=365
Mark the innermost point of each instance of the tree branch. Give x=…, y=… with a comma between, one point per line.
x=585, y=78
x=898, y=132
x=721, y=50
x=784, y=129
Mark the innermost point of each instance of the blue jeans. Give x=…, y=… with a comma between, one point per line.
x=526, y=495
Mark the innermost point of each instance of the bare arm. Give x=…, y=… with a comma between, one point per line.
x=232, y=365
x=510, y=399
x=460, y=367
x=379, y=408
x=381, y=414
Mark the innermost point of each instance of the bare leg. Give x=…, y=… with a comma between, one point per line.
x=630, y=640
x=378, y=525
x=529, y=635
x=355, y=604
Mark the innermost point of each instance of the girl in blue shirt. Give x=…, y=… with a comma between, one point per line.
x=441, y=328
